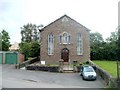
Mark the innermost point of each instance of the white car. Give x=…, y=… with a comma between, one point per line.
x=88, y=73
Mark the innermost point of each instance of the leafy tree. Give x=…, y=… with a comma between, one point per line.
x=113, y=37
x=96, y=41
x=30, y=49
x=112, y=44
x=96, y=37
x=102, y=50
x=118, y=44
x=25, y=49
x=30, y=32
x=4, y=43
x=35, y=49
x=30, y=40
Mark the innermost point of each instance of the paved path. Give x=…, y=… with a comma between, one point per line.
x=17, y=78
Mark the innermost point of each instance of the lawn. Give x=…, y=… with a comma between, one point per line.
x=109, y=66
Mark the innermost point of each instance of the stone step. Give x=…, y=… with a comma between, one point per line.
x=68, y=71
x=67, y=67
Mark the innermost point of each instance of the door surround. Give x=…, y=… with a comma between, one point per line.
x=65, y=54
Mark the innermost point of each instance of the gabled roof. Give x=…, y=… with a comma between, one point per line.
x=61, y=18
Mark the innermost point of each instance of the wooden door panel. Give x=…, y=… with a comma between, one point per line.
x=65, y=55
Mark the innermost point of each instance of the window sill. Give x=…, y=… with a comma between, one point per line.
x=64, y=43
x=80, y=54
x=50, y=54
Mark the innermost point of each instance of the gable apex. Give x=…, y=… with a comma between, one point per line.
x=64, y=18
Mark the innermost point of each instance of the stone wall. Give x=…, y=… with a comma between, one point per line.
x=110, y=81
x=25, y=63
x=21, y=58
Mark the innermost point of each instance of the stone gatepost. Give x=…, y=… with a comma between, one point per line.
x=75, y=65
x=61, y=63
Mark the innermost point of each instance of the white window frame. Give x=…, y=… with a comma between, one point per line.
x=79, y=44
x=50, y=44
x=64, y=38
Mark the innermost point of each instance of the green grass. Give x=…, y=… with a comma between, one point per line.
x=109, y=66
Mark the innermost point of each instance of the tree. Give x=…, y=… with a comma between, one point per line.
x=30, y=32
x=30, y=40
x=101, y=50
x=118, y=44
x=96, y=37
x=96, y=41
x=105, y=50
x=34, y=49
x=30, y=49
x=112, y=44
x=25, y=49
x=113, y=37
x=5, y=43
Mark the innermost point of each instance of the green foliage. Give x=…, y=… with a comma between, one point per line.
x=30, y=40
x=118, y=44
x=30, y=49
x=35, y=49
x=96, y=38
x=103, y=50
x=25, y=48
x=4, y=40
x=113, y=42
x=96, y=42
x=30, y=32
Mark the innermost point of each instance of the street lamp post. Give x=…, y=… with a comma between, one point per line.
x=118, y=67
x=118, y=58
x=118, y=74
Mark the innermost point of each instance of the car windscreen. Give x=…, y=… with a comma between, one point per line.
x=88, y=70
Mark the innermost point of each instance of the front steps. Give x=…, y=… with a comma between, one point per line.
x=68, y=69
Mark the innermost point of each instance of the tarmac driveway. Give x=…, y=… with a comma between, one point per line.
x=17, y=78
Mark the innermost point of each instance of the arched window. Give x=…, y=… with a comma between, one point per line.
x=79, y=44
x=65, y=38
x=50, y=44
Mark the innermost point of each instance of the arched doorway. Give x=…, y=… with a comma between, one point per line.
x=65, y=54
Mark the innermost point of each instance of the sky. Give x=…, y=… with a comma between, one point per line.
x=97, y=15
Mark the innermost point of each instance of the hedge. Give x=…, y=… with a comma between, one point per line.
x=43, y=68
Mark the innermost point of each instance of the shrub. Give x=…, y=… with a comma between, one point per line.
x=43, y=68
